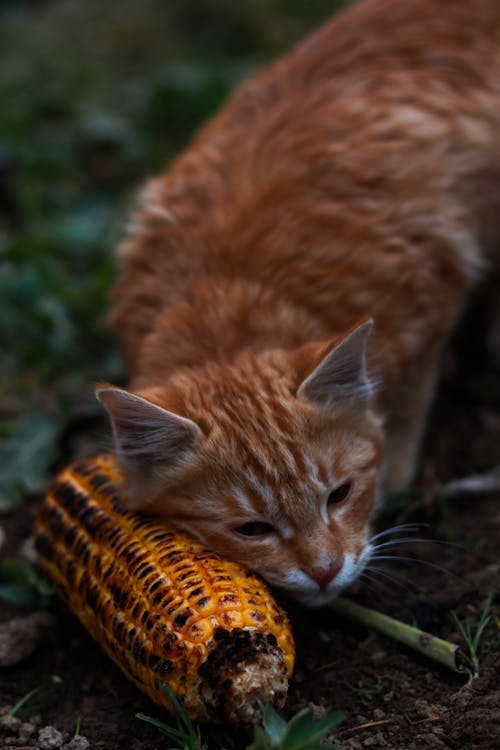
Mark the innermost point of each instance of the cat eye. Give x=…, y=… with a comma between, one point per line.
x=254, y=528
x=339, y=494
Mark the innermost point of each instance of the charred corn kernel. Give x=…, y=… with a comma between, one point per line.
x=163, y=607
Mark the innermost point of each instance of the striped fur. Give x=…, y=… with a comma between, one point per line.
x=356, y=179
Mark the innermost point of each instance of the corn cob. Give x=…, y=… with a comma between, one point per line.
x=163, y=607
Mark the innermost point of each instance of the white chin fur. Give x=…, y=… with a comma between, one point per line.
x=303, y=589
x=316, y=598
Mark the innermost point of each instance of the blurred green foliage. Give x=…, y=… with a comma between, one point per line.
x=22, y=583
x=93, y=97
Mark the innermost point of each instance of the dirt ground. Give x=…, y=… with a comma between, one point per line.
x=392, y=698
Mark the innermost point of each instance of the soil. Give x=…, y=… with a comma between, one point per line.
x=392, y=698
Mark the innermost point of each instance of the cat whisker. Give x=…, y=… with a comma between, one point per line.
x=396, y=558
x=400, y=540
x=400, y=580
x=420, y=540
x=371, y=580
x=373, y=583
x=408, y=527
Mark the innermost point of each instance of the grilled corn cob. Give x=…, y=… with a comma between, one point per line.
x=164, y=608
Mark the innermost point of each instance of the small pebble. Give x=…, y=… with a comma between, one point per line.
x=429, y=741
x=79, y=742
x=422, y=708
x=379, y=657
x=26, y=730
x=437, y=730
x=11, y=723
x=378, y=714
x=49, y=738
x=20, y=637
x=27, y=550
x=316, y=710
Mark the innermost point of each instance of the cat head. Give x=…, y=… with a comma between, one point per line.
x=272, y=461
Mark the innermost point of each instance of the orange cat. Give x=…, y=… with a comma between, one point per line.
x=290, y=282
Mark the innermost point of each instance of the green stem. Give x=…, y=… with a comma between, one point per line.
x=444, y=652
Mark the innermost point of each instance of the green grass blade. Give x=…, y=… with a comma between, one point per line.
x=184, y=732
x=461, y=629
x=484, y=620
x=169, y=731
x=184, y=723
x=22, y=701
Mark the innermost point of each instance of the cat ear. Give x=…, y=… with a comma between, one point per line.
x=342, y=373
x=149, y=440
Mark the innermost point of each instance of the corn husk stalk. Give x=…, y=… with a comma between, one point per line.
x=441, y=651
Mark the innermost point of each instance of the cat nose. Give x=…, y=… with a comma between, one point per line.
x=323, y=576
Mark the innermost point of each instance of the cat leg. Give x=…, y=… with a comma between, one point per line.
x=406, y=423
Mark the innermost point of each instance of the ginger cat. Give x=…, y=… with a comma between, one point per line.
x=290, y=282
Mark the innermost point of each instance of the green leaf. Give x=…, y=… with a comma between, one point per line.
x=20, y=581
x=260, y=740
x=18, y=571
x=304, y=731
x=25, y=457
x=274, y=724
x=16, y=593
